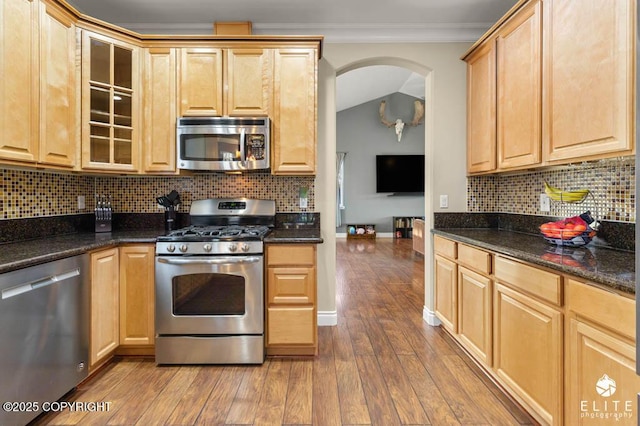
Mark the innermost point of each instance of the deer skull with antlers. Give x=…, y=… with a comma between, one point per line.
x=418, y=115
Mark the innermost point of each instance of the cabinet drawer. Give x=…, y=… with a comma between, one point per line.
x=476, y=259
x=291, y=254
x=444, y=247
x=608, y=309
x=545, y=285
x=291, y=325
x=291, y=285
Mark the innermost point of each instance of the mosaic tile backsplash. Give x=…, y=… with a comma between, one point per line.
x=612, y=185
x=28, y=194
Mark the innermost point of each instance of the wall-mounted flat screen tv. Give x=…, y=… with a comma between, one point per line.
x=400, y=173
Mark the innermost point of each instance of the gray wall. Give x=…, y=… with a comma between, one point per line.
x=360, y=133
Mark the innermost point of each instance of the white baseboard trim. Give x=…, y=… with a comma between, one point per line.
x=378, y=235
x=327, y=318
x=341, y=235
x=430, y=317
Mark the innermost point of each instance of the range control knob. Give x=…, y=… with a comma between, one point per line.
x=245, y=247
x=171, y=248
x=233, y=247
x=207, y=247
x=183, y=248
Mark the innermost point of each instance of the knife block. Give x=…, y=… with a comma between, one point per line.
x=103, y=221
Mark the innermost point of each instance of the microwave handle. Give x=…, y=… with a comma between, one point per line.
x=242, y=145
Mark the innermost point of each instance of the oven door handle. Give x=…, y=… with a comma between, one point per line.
x=211, y=261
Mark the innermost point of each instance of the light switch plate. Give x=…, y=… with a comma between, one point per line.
x=444, y=201
x=545, y=203
x=81, y=202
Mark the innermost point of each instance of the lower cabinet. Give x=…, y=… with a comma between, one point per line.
x=602, y=385
x=122, y=302
x=528, y=351
x=474, y=313
x=137, y=298
x=446, y=292
x=291, y=323
x=105, y=316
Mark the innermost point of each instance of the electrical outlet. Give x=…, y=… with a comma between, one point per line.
x=444, y=201
x=545, y=203
x=81, y=202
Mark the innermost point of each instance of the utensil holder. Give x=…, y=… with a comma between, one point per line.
x=169, y=219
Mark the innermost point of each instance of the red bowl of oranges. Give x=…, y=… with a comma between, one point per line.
x=572, y=232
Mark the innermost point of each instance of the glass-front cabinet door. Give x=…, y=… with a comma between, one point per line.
x=110, y=104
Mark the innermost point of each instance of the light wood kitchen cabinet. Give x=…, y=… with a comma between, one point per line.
x=110, y=104
x=200, y=81
x=293, y=138
x=137, y=295
x=58, y=87
x=291, y=324
x=589, y=79
x=446, y=283
x=229, y=82
x=160, y=110
x=19, y=85
x=601, y=357
x=519, y=89
x=105, y=316
x=481, y=108
x=475, y=301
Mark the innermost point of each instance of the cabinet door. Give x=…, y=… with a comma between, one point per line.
x=481, y=109
x=474, y=313
x=589, y=83
x=159, y=132
x=58, y=87
x=104, y=305
x=446, y=292
x=249, y=81
x=110, y=104
x=137, y=295
x=519, y=89
x=527, y=352
x=19, y=82
x=294, y=112
x=602, y=364
x=200, y=76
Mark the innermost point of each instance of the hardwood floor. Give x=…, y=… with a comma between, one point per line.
x=381, y=365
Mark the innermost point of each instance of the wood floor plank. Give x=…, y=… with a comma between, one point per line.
x=433, y=402
x=194, y=399
x=168, y=397
x=379, y=402
x=245, y=404
x=326, y=405
x=353, y=405
x=218, y=404
x=299, y=406
x=404, y=398
x=274, y=394
x=397, y=338
x=359, y=337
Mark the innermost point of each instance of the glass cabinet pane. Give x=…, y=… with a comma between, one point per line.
x=100, y=62
x=122, y=147
x=122, y=67
x=100, y=142
x=122, y=109
x=100, y=105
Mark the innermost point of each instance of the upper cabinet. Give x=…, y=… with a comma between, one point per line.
x=588, y=66
x=59, y=137
x=216, y=82
x=294, y=112
x=110, y=104
x=19, y=82
x=564, y=86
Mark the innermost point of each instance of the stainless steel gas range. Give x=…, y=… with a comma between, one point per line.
x=210, y=284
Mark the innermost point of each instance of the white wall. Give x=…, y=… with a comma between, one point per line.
x=445, y=124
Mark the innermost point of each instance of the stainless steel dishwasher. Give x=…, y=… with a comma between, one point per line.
x=44, y=330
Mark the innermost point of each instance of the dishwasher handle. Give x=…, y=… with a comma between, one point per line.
x=43, y=282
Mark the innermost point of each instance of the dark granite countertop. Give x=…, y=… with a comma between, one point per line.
x=22, y=254
x=300, y=235
x=610, y=268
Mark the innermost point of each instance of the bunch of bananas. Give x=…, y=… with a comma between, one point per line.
x=558, y=194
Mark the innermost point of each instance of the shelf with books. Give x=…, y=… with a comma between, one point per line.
x=403, y=226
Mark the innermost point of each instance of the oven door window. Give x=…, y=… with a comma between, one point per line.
x=210, y=147
x=208, y=294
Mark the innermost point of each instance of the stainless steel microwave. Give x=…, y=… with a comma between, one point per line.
x=223, y=143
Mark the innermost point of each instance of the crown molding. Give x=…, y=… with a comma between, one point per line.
x=338, y=33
